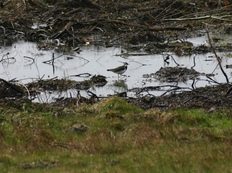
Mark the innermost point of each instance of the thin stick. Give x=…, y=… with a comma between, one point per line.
x=194, y=62
x=52, y=60
x=4, y=31
x=217, y=57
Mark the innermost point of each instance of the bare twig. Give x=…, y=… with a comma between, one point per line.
x=4, y=31
x=200, y=18
x=211, y=80
x=173, y=59
x=217, y=57
x=194, y=62
x=52, y=60
x=81, y=75
x=151, y=28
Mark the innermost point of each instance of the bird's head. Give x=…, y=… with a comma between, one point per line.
x=125, y=63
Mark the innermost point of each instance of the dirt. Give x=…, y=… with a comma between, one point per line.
x=175, y=74
x=212, y=98
x=149, y=26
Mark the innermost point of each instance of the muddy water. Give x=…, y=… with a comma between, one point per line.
x=24, y=62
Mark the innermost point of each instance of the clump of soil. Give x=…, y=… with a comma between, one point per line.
x=174, y=74
x=11, y=89
x=51, y=85
x=65, y=84
x=96, y=80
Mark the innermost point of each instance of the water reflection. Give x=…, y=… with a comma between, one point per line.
x=24, y=62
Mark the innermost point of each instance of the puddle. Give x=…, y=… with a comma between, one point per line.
x=24, y=62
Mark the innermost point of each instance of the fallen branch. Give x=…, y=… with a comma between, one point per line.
x=191, y=18
x=200, y=18
x=152, y=28
x=81, y=75
x=163, y=28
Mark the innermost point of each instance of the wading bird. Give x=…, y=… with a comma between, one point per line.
x=119, y=70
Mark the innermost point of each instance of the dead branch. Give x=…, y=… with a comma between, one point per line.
x=217, y=57
x=211, y=80
x=170, y=56
x=81, y=75
x=200, y=18
x=63, y=30
x=191, y=18
x=152, y=28
x=162, y=28
x=4, y=31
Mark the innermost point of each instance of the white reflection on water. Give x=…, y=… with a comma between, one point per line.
x=27, y=65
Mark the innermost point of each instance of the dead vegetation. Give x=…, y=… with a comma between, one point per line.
x=151, y=26
x=152, y=23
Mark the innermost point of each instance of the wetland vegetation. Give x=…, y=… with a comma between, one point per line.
x=179, y=132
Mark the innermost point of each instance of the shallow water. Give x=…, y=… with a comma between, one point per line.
x=24, y=62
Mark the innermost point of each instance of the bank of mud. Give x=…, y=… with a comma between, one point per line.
x=153, y=26
x=148, y=26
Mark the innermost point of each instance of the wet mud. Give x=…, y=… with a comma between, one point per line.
x=149, y=26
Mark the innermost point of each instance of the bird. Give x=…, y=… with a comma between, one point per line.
x=119, y=70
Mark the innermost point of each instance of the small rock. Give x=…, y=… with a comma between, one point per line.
x=79, y=128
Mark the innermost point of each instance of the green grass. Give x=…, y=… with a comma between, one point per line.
x=113, y=136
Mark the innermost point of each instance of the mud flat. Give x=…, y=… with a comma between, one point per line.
x=79, y=40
